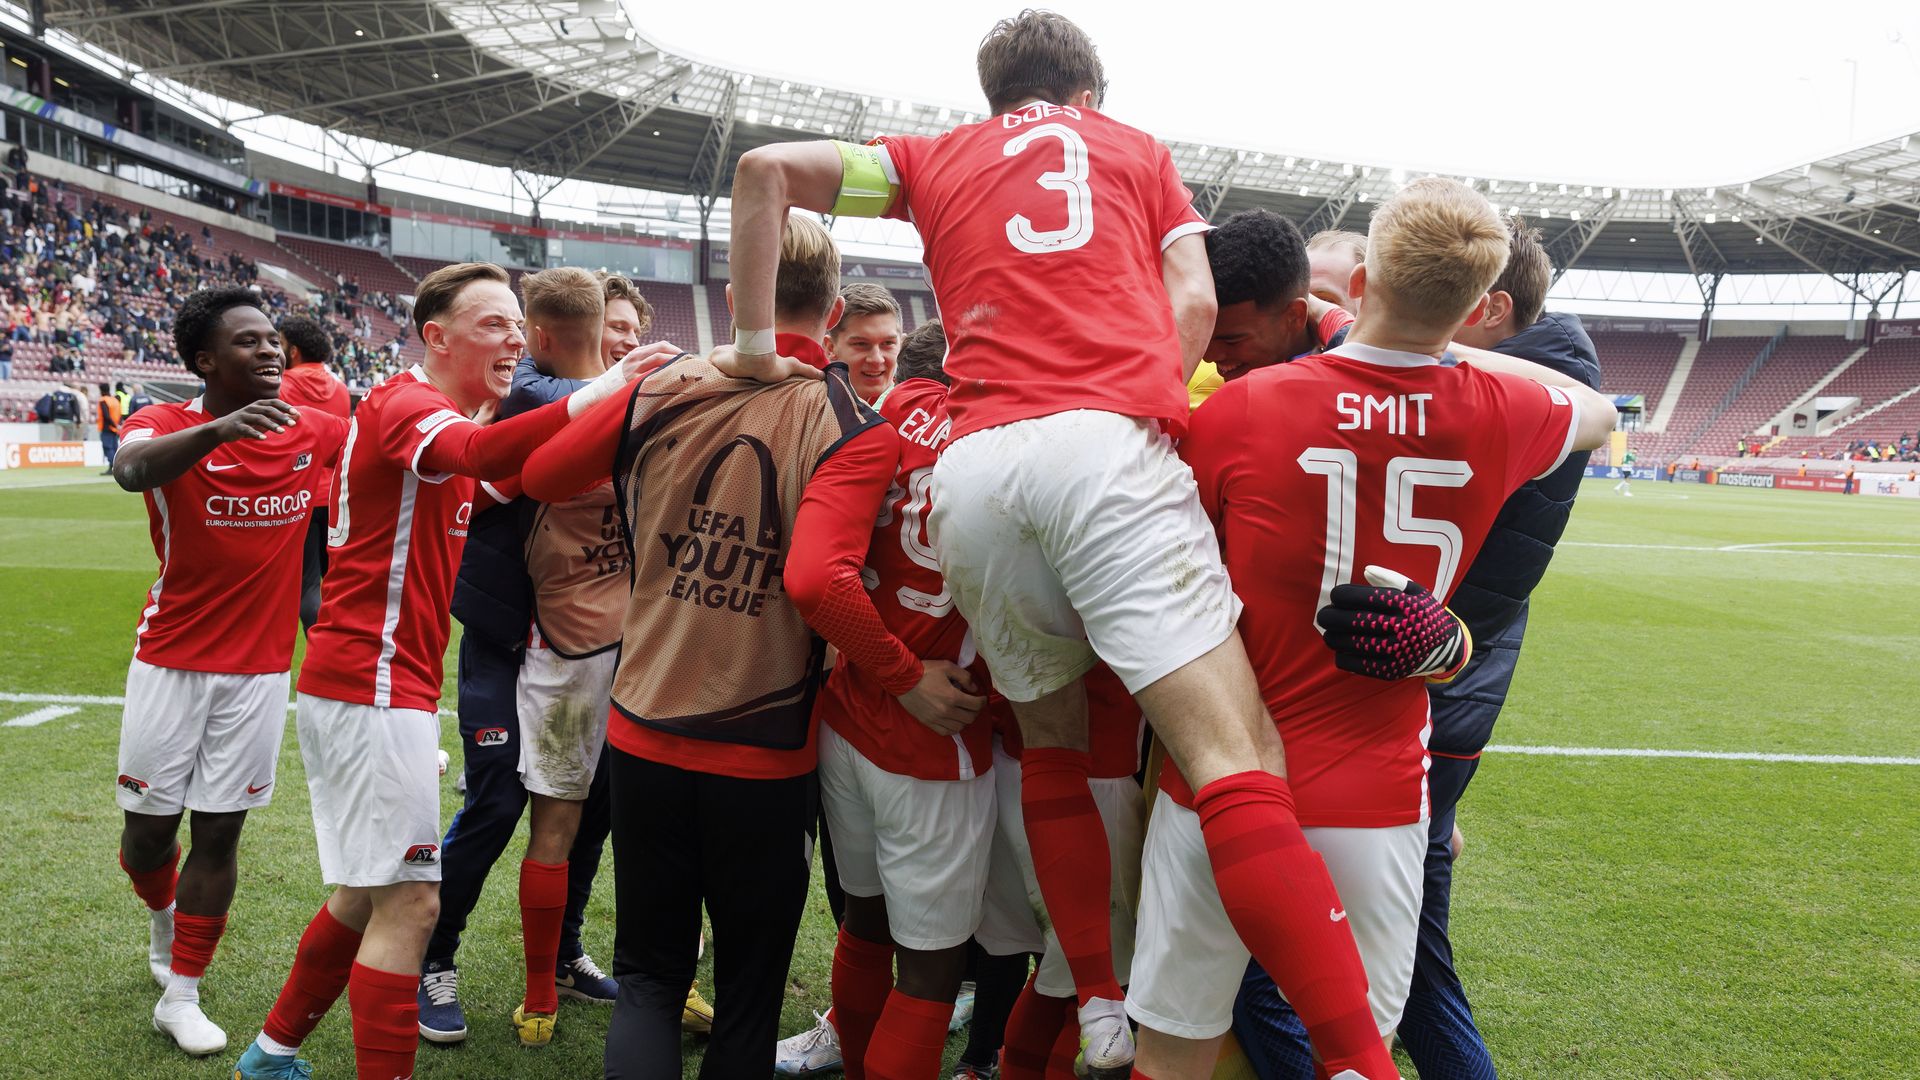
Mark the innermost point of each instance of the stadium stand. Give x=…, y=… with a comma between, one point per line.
x=1885, y=381
x=1798, y=363
x=1636, y=363
x=370, y=268
x=719, y=317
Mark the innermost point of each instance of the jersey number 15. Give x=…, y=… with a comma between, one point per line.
x=1398, y=522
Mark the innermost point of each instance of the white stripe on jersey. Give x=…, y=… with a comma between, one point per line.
x=337, y=529
x=166, y=559
x=396, y=589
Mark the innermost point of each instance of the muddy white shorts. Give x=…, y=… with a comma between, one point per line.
x=1189, y=960
x=562, y=705
x=374, y=778
x=1077, y=535
x=923, y=844
x=199, y=740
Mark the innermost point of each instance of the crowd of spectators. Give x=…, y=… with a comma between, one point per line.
x=1906, y=448
x=77, y=274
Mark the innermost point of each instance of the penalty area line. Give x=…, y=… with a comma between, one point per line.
x=1704, y=755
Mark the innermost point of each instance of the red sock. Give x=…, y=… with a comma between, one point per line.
x=386, y=1022
x=1281, y=901
x=862, y=979
x=910, y=1038
x=1035, y=1025
x=320, y=969
x=1138, y=1075
x=1070, y=859
x=194, y=939
x=155, y=887
x=1066, y=1047
x=543, y=900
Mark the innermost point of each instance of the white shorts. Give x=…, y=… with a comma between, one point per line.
x=923, y=844
x=562, y=705
x=1017, y=919
x=1075, y=535
x=199, y=740
x=1191, y=960
x=374, y=778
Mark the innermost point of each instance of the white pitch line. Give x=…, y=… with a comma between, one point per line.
x=99, y=699
x=1742, y=549
x=1704, y=755
x=41, y=716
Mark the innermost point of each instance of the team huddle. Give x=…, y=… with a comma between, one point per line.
x=1144, y=473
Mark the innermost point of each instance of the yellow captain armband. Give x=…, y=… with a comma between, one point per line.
x=867, y=184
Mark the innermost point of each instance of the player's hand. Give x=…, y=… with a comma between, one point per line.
x=761, y=367
x=647, y=359
x=1393, y=628
x=944, y=700
x=260, y=420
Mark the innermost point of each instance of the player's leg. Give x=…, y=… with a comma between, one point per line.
x=657, y=898
x=863, y=953
x=756, y=860
x=998, y=981
x=577, y=975
x=1009, y=930
x=934, y=843
x=1438, y=1028
x=160, y=730
x=990, y=538
x=563, y=723
x=481, y=828
x=322, y=966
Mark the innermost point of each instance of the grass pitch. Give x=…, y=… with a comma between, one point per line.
x=1620, y=916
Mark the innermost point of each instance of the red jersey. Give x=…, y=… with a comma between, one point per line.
x=394, y=539
x=1316, y=469
x=903, y=575
x=228, y=533
x=313, y=385
x=1043, y=230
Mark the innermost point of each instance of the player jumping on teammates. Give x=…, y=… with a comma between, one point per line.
x=1383, y=460
x=230, y=478
x=370, y=687
x=1067, y=529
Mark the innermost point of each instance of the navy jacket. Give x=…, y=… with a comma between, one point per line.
x=1492, y=596
x=493, y=596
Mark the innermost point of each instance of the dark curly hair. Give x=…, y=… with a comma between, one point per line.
x=201, y=312
x=923, y=354
x=312, y=339
x=1257, y=255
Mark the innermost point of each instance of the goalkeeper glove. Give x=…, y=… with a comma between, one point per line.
x=1393, y=628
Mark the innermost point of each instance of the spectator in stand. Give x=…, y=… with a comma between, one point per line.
x=6, y=357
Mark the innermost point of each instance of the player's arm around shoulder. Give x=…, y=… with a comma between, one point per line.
x=147, y=461
x=1596, y=415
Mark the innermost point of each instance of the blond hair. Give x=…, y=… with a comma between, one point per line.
x=865, y=298
x=439, y=290
x=809, y=276
x=1433, y=250
x=1334, y=239
x=567, y=302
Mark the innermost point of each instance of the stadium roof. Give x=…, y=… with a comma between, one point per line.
x=572, y=89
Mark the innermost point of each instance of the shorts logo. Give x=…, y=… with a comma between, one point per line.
x=251, y=790
x=302, y=462
x=493, y=736
x=422, y=855
x=133, y=784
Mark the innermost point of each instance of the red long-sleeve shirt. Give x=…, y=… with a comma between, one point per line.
x=831, y=532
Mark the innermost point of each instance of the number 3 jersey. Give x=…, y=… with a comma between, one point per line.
x=1043, y=230
x=903, y=575
x=1314, y=470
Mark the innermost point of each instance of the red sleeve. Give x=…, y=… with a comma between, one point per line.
x=1176, y=216
x=831, y=534
x=1541, y=423
x=1211, y=444
x=503, y=492
x=1332, y=323
x=436, y=441
x=148, y=423
x=581, y=456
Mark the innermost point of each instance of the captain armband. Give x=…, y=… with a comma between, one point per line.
x=868, y=184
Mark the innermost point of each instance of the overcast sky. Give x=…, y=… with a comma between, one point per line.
x=1632, y=93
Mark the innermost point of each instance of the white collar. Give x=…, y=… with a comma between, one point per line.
x=196, y=404
x=1371, y=354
